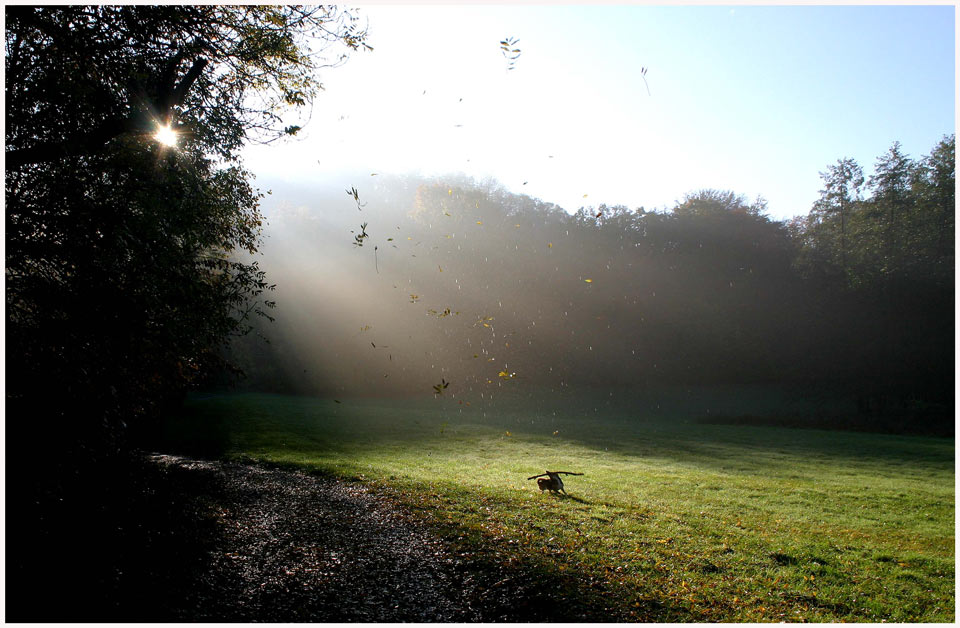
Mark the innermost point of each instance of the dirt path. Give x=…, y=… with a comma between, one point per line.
x=296, y=547
x=169, y=539
x=280, y=546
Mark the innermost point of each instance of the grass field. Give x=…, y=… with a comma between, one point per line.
x=673, y=520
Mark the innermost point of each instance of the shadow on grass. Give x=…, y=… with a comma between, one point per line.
x=574, y=498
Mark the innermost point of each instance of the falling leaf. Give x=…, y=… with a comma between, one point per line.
x=479, y=222
x=358, y=239
x=356, y=196
x=585, y=195
x=441, y=269
x=389, y=239
x=509, y=51
x=414, y=297
x=449, y=192
x=507, y=433
x=549, y=245
x=588, y=280
x=556, y=432
x=337, y=401
x=373, y=174
x=643, y=75
x=439, y=388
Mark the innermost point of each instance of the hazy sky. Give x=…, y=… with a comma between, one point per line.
x=749, y=98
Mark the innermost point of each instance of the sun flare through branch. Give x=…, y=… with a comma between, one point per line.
x=166, y=136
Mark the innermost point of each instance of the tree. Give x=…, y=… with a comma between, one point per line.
x=887, y=324
x=841, y=190
x=81, y=76
x=891, y=203
x=934, y=188
x=128, y=262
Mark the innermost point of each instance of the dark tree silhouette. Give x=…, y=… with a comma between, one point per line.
x=128, y=261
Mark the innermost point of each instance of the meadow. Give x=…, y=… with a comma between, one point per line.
x=673, y=519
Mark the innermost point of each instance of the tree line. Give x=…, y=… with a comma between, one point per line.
x=499, y=292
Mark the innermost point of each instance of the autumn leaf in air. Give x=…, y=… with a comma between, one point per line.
x=509, y=51
x=356, y=196
x=439, y=388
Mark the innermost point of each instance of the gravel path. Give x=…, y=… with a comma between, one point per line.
x=297, y=547
x=165, y=538
x=285, y=546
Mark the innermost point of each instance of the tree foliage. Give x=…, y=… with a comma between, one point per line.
x=128, y=263
x=710, y=292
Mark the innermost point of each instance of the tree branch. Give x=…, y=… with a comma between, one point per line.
x=93, y=140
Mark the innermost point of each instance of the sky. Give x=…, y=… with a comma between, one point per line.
x=754, y=99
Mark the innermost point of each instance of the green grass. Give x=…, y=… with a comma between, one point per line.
x=673, y=520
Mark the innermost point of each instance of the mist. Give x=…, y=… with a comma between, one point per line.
x=463, y=291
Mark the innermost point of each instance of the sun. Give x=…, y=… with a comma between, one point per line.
x=166, y=136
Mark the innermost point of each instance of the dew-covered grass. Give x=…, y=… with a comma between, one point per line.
x=673, y=520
